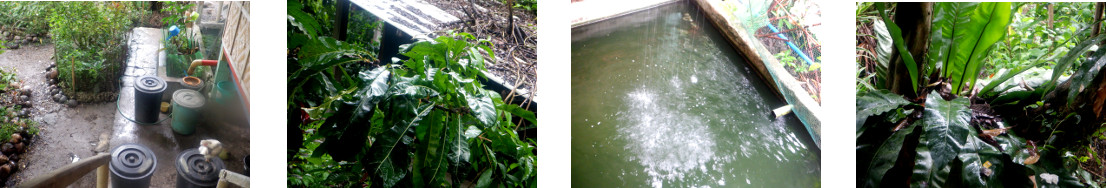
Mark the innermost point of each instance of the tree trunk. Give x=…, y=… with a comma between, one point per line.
x=915, y=20
x=511, y=18
x=1098, y=16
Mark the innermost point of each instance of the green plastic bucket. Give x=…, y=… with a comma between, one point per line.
x=186, y=110
x=227, y=92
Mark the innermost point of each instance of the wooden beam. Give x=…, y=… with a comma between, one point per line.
x=68, y=174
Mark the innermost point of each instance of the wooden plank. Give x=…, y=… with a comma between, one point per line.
x=69, y=173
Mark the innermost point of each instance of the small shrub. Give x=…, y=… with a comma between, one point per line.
x=90, y=40
x=25, y=17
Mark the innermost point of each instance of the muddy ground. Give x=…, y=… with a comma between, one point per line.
x=66, y=132
x=516, y=52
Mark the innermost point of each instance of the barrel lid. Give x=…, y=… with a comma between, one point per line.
x=195, y=169
x=132, y=161
x=188, y=98
x=149, y=84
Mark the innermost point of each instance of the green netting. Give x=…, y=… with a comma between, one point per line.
x=744, y=18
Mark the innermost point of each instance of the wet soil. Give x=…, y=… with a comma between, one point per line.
x=65, y=132
x=516, y=51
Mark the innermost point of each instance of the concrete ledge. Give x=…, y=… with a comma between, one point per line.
x=591, y=11
x=767, y=67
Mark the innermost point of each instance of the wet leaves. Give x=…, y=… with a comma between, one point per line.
x=426, y=123
x=876, y=103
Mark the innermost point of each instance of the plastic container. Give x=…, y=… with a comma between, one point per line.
x=186, y=107
x=132, y=165
x=147, y=95
x=195, y=171
x=192, y=82
x=227, y=92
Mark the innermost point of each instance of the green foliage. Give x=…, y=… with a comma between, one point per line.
x=400, y=125
x=877, y=102
x=1031, y=33
x=939, y=145
x=945, y=150
x=177, y=13
x=25, y=16
x=528, y=5
x=89, y=43
x=896, y=36
x=962, y=37
x=362, y=29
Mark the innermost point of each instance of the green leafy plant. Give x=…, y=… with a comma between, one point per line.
x=89, y=44
x=528, y=5
x=177, y=13
x=424, y=122
x=963, y=36
x=25, y=17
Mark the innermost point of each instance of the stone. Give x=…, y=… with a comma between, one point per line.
x=26, y=91
x=7, y=148
x=20, y=148
x=72, y=103
x=59, y=97
x=53, y=74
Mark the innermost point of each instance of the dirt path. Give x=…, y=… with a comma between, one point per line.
x=66, y=132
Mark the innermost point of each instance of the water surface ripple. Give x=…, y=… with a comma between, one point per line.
x=661, y=101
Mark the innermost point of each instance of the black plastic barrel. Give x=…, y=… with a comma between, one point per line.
x=195, y=171
x=132, y=165
x=147, y=98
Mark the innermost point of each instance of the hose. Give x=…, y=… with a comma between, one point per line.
x=789, y=44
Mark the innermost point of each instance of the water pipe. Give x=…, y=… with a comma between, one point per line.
x=782, y=111
x=789, y=44
x=198, y=62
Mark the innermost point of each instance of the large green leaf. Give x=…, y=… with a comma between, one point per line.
x=482, y=107
x=947, y=132
x=963, y=34
x=947, y=18
x=925, y=172
x=876, y=103
x=904, y=54
x=518, y=111
x=459, y=144
x=885, y=46
x=389, y=156
x=1084, y=76
x=429, y=160
x=1072, y=58
x=301, y=20
x=887, y=155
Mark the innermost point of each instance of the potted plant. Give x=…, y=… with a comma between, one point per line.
x=181, y=46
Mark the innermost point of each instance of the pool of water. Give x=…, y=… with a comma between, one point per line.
x=660, y=100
